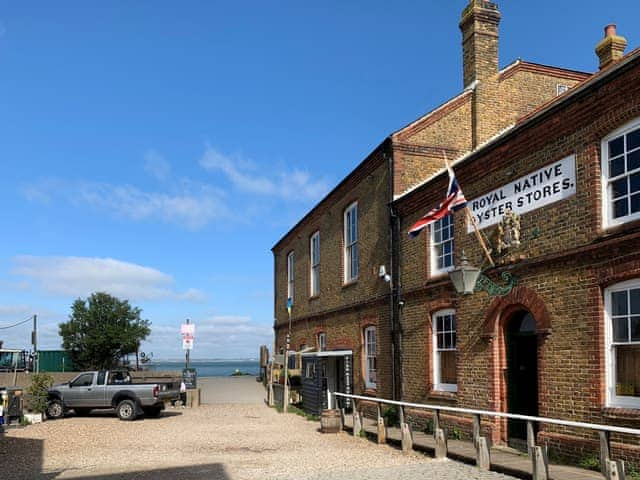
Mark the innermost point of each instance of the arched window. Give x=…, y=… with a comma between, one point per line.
x=444, y=351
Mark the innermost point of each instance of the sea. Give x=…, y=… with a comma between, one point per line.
x=210, y=368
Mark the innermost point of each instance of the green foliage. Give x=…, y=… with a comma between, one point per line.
x=428, y=429
x=363, y=433
x=590, y=462
x=24, y=421
x=391, y=415
x=37, y=391
x=455, y=434
x=101, y=329
x=632, y=472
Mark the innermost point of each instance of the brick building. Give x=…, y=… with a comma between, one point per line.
x=565, y=341
x=506, y=124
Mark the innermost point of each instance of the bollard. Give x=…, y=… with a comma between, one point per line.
x=615, y=470
x=483, y=456
x=405, y=435
x=436, y=422
x=357, y=423
x=540, y=463
x=441, y=443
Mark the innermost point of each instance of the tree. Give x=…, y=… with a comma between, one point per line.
x=101, y=329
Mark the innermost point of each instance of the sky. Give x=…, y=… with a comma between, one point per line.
x=158, y=150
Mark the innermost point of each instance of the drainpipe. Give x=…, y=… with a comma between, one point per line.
x=395, y=286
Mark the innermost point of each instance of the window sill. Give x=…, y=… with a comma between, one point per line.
x=621, y=413
x=350, y=283
x=370, y=392
x=443, y=396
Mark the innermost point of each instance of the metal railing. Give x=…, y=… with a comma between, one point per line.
x=610, y=469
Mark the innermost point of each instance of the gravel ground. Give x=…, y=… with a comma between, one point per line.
x=217, y=442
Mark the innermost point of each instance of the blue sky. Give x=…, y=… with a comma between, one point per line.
x=157, y=150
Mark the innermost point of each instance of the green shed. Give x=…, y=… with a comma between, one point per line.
x=55, y=361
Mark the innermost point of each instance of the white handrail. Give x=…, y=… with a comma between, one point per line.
x=470, y=411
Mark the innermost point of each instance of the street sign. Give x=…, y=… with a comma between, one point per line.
x=188, y=329
x=189, y=377
x=187, y=343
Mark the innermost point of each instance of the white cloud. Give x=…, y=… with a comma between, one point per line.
x=191, y=205
x=81, y=276
x=228, y=336
x=294, y=184
x=156, y=165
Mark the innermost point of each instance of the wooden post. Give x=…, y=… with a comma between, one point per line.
x=406, y=438
x=270, y=390
x=357, y=421
x=441, y=443
x=342, y=416
x=531, y=436
x=483, y=456
x=540, y=463
x=615, y=470
x=436, y=421
x=476, y=430
x=401, y=413
x=605, y=451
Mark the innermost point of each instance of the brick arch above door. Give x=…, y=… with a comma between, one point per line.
x=520, y=298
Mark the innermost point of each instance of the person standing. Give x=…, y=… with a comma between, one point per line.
x=183, y=393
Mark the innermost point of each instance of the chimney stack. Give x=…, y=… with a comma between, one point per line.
x=479, y=26
x=611, y=47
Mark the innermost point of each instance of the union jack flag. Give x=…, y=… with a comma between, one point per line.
x=455, y=201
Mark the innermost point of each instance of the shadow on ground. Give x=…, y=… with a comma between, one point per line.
x=212, y=471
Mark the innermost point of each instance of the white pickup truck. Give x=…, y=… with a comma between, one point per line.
x=110, y=389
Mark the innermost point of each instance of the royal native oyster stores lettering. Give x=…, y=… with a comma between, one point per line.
x=547, y=185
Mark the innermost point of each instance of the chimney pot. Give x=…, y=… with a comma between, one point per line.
x=611, y=48
x=610, y=30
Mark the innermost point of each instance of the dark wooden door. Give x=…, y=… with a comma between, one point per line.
x=522, y=377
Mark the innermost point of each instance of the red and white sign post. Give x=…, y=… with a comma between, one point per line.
x=188, y=331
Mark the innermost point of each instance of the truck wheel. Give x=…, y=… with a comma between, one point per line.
x=126, y=410
x=152, y=412
x=55, y=409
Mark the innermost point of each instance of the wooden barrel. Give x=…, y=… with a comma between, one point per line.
x=330, y=421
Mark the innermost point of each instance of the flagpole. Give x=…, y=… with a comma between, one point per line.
x=472, y=219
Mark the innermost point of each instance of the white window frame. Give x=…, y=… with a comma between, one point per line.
x=437, y=385
x=607, y=205
x=350, y=222
x=437, y=226
x=291, y=264
x=322, y=342
x=561, y=88
x=370, y=353
x=611, y=398
x=314, y=261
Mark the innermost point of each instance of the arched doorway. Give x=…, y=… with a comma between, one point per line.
x=521, y=349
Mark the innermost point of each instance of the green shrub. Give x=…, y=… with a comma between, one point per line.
x=590, y=462
x=38, y=391
x=391, y=415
